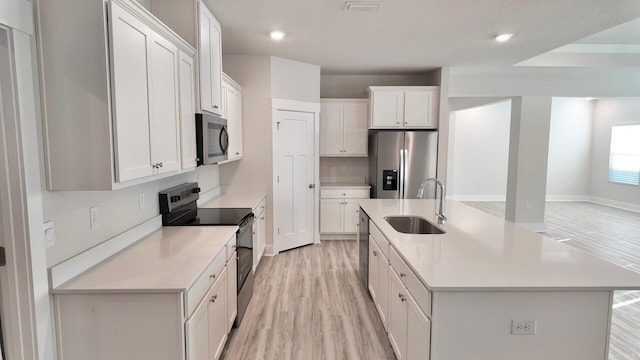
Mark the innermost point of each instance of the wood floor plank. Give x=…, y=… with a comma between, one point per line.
x=309, y=303
x=609, y=233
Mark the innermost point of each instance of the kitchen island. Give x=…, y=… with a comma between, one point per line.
x=487, y=288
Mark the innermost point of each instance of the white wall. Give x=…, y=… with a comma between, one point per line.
x=479, y=152
x=118, y=211
x=355, y=86
x=344, y=170
x=569, y=149
x=294, y=80
x=610, y=112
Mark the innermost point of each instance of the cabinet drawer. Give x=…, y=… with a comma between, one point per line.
x=337, y=193
x=204, y=282
x=380, y=240
x=257, y=211
x=411, y=281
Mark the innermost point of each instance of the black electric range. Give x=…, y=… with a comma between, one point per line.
x=178, y=206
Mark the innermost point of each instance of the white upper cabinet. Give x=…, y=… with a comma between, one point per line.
x=210, y=50
x=343, y=127
x=113, y=111
x=186, y=69
x=232, y=101
x=404, y=107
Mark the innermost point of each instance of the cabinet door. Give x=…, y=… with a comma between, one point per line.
x=351, y=216
x=331, y=215
x=383, y=289
x=217, y=316
x=232, y=290
x=374, y=255
x=234, y=121
x=418, y=332
x=197, y=333
x=331, y=129
x=130, y=42
x=186, y=73
x=418, y=106
x=262, y=234
x=387, y=108
x=397, y=323
x=165, y=131
x=355, y=128
x=210, y=50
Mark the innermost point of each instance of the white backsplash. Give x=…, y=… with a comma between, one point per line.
x=344, y=170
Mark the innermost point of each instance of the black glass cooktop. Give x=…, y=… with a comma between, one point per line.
x=207, y=216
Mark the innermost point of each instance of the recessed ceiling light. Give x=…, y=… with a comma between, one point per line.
x=361, y=6
x=503, y=37
x=277, y=35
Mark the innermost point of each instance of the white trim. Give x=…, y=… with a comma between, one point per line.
x=17, y=14
x=567, y=198
x=614, y=203
x=477, y=197
x=338, y=237
x=67, y=270
x=295, y=105
x=268, y=251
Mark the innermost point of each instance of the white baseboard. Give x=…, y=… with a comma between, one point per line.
x=338, y=237
x=614, y=203
x=268, y=251
x=477, y=197
x=567, y=198
x=70, y=268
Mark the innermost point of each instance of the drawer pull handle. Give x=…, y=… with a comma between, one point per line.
x=213, y=298
x=212, y=276
x=375, y=253
x=402, y=297
x=402, y=275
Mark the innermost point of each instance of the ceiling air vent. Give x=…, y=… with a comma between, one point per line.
x=361, y=6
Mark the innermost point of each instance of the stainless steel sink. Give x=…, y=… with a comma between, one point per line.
x=412, y=225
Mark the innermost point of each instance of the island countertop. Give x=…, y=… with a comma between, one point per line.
x=479, y=251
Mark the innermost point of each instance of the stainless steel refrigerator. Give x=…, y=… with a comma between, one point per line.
x=399, y=161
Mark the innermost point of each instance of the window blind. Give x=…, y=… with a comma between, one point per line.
x=624, y=156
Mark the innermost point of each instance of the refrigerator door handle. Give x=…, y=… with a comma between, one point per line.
x=403, y=153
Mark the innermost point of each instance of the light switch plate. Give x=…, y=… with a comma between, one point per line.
x=49, y=234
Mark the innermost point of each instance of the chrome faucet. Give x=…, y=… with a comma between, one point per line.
x=440, y=214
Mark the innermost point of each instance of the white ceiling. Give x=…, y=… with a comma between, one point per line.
x=410, y=36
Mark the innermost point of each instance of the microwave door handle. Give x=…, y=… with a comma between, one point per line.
x=224, y=143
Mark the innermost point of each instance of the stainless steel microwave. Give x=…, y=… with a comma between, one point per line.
x=212, y=139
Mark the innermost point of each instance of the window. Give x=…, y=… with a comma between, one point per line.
x=624, y=158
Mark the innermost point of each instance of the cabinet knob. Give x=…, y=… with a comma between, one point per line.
x=402, y=297
x=262, y=218
x=237, y=153
x=402, y=275
x=215, y=106
x=212, y=276
x=375, y=253
x=161, y=164
x=213, y=298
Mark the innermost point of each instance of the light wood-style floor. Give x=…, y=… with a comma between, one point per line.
x=309, y=303
x=609, y=233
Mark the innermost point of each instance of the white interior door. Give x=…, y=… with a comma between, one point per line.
x=293, y=172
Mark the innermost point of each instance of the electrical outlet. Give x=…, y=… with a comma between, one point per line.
x=140, y=200
x=523, y=327
x=527, y=206
x=49, y=234
x=94, y=217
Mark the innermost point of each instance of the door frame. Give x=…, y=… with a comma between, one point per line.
x=27, y=309
x=304, y=107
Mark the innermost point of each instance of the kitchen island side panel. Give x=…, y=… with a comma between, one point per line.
x=478, y=325
x=103, y=326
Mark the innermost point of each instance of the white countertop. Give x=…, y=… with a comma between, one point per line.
x=236, y=198
x=345, y=185
x=482, y=252
x=168, y=260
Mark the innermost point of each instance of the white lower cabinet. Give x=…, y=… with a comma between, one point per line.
x=259, y=233
x=394, y=290
x=339, y=208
